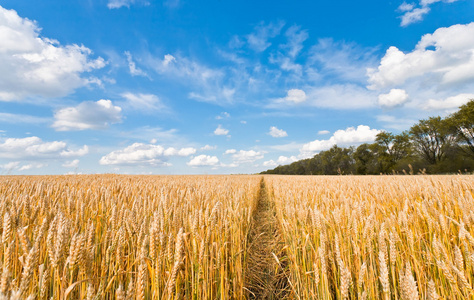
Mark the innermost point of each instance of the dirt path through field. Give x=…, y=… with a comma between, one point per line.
x=266, y=261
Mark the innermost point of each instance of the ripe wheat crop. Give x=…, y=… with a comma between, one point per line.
x=237, y=237
x=119, y=237
x=378, y=237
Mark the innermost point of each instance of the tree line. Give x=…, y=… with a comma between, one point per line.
x=432, y=146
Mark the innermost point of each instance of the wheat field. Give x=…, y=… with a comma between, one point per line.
x=237, y=237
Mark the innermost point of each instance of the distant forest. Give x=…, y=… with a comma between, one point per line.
x=432, y=146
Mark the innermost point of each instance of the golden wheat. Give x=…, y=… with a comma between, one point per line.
x=190, y=237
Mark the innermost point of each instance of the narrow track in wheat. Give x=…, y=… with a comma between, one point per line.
x=266, y=260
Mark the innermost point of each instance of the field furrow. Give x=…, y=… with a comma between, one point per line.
x=266, y=261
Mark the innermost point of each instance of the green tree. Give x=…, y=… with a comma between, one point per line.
x=462, y=122
x=432, y=139
x=337, y=161
x=363, y=157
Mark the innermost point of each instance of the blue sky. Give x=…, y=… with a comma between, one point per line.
x=187, y=87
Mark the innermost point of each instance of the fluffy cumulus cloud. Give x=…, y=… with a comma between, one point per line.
x=221, y=130
x=282, y=160
x=349, y=136
x=74, y=153
x=277, y=133
x=35, y=148
x=87, y=115
x=181, y=152
x=323, y=132
x=244, y=156
x=140, y=154
x=395, y=97
x=450, y=62
x=449, y=103
x=32, y=65
x=203, y=160
x=71, y=164
x=295, y=96
x=208, y=148
x=269, y=163
x=230, y=151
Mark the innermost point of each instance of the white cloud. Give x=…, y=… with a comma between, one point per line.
x=414, y=15
x=349, y=136
x=31, y=166
x=282, y=160
x=295, y=37
x=33, y=65
x=269, y=163
x=71, y=164
x=249, y=156
x=406, y=7
x=168, y=59
x=221, y=131
x=230, y=151
x=448, y=103
x=296, y=96
x=71, y=153
x=352, y=135
x=147, y=103
x=395, y=97
x=203, y=160
x=144, y=154
x=181, y=152
x=16, y=166
x=258, y=40
x=290, y=147
x=322, y=132
x=208, y=147
x=29, y=147
x=451, y=62
x=33, y=147
x=134, y=71
x=277, y=133
x=153, y=141
x=11, y=165
x=288, y=64
x=87, y=115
